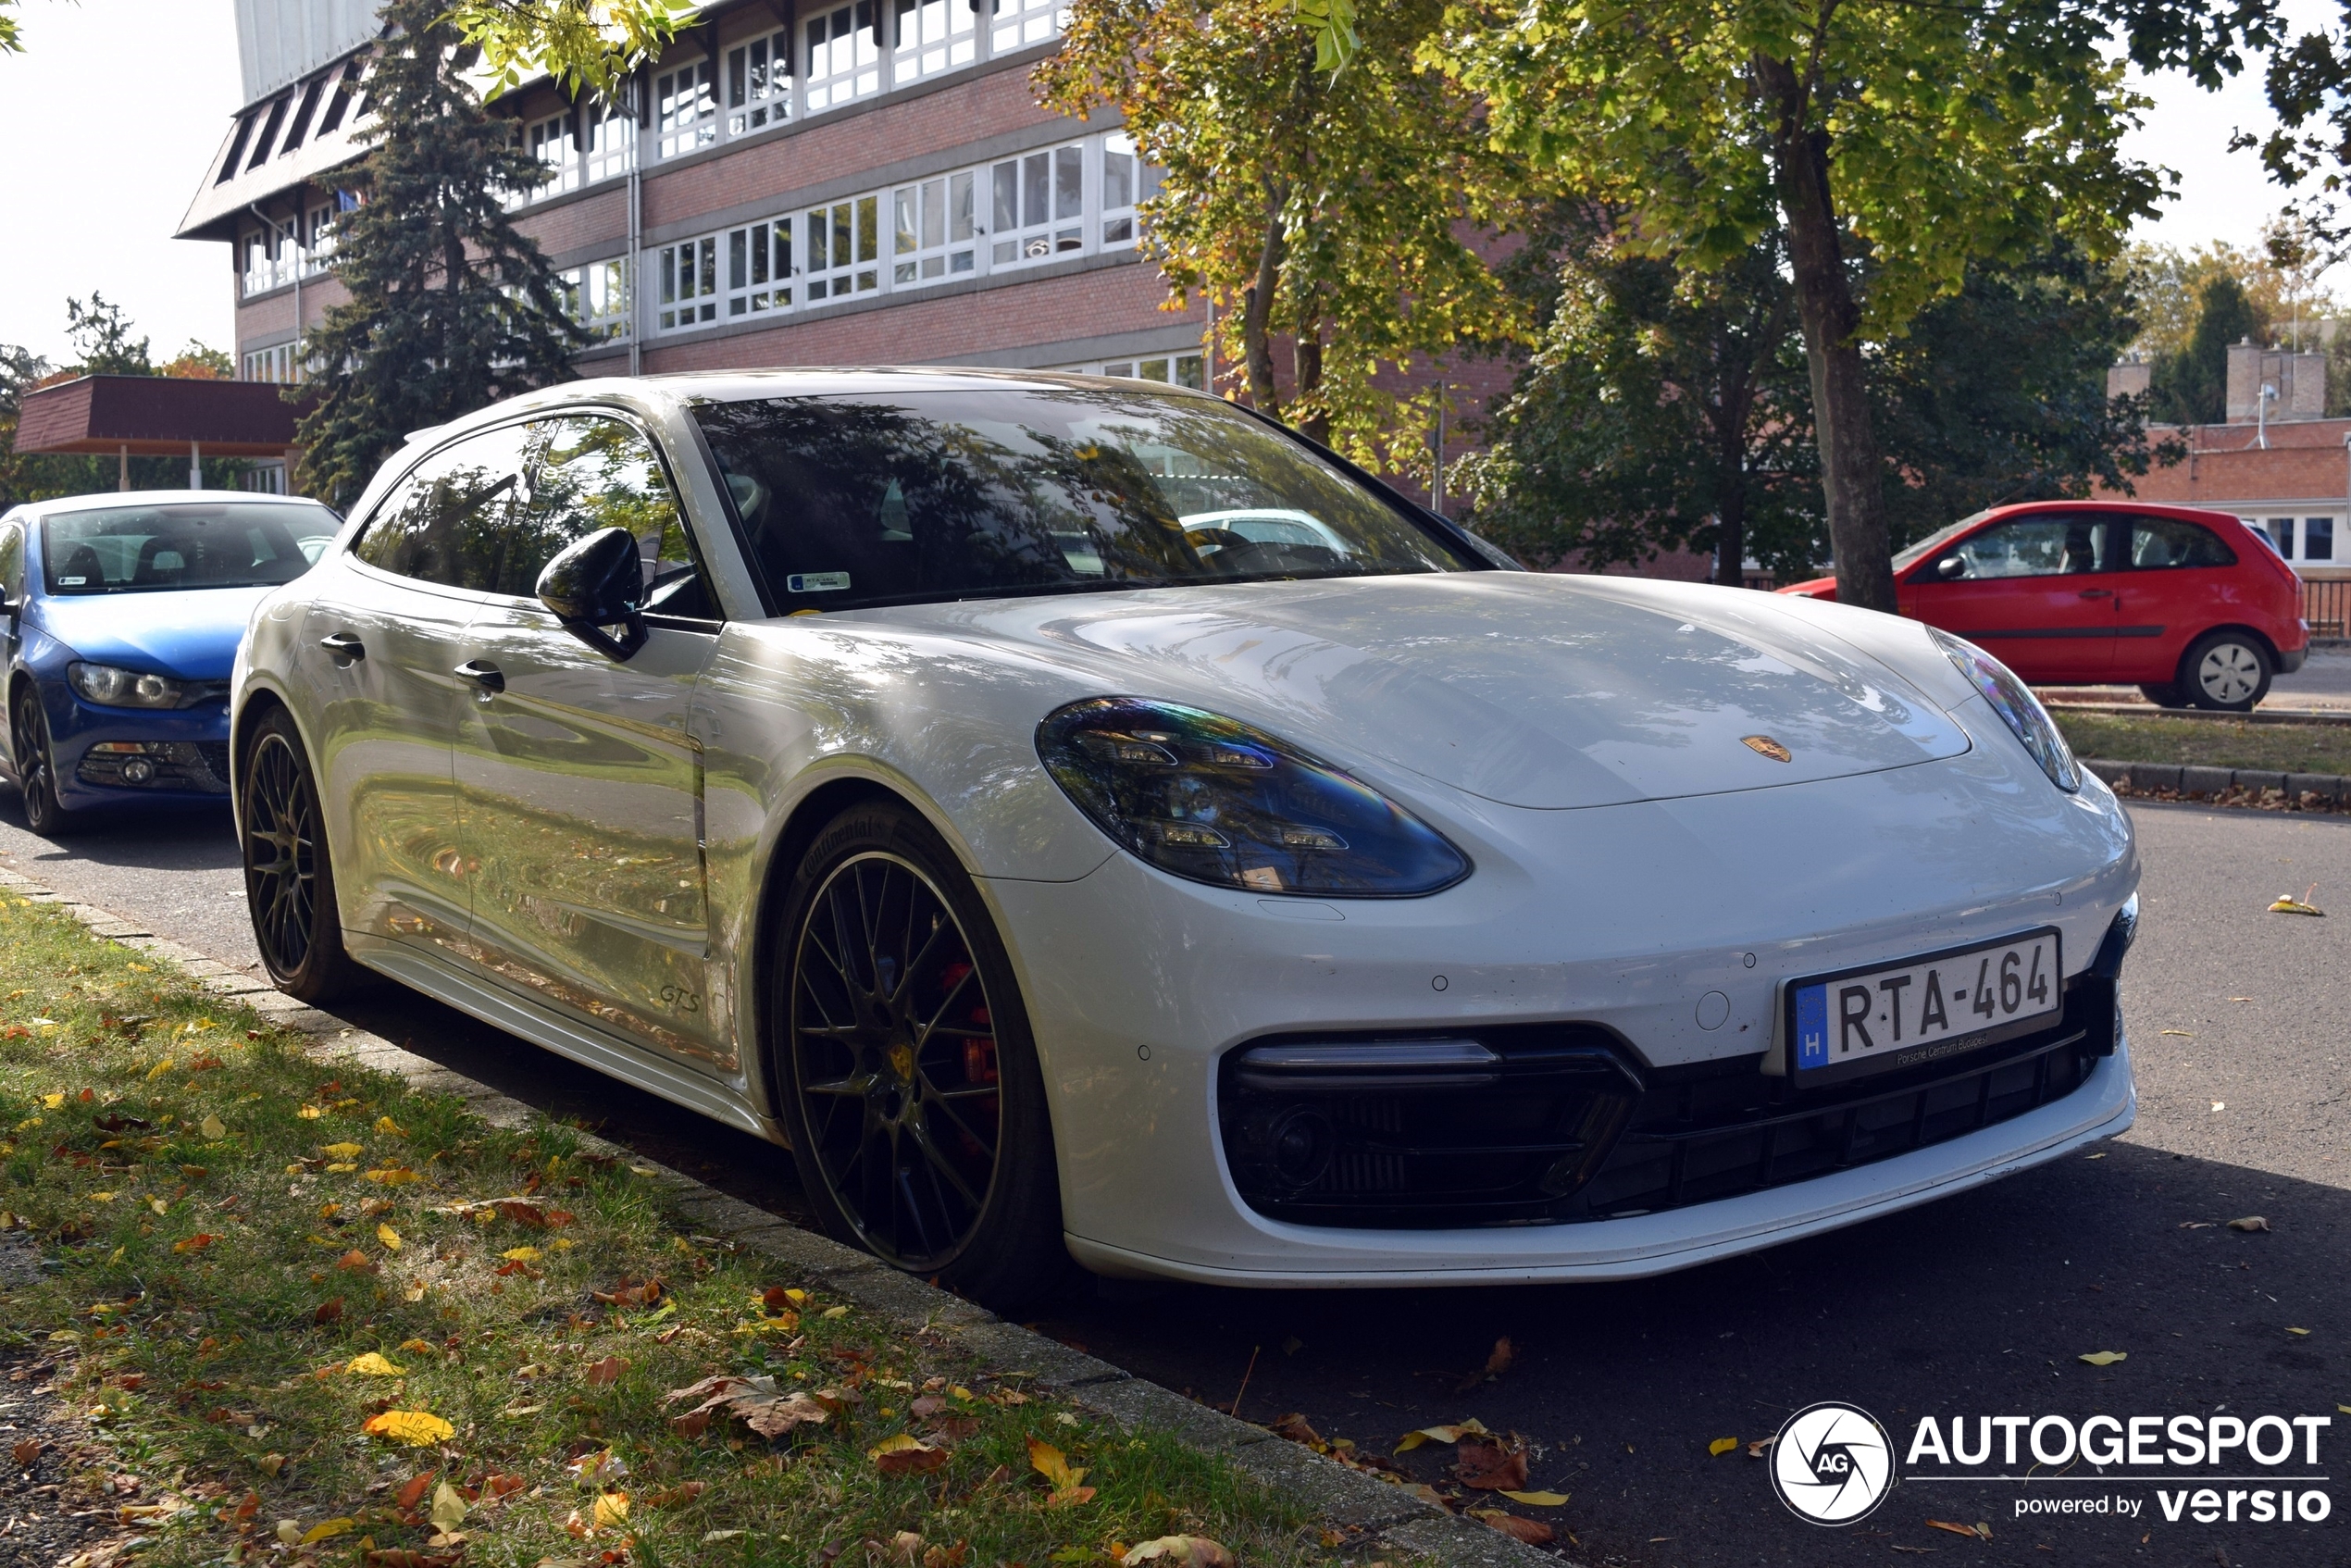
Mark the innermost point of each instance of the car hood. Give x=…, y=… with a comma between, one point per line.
x=191, y=634
x=1528, y=688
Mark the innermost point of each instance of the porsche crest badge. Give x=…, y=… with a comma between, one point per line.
x=1763, y=745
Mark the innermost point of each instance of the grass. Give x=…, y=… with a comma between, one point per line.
x=231, y=1226
x=2287, y=748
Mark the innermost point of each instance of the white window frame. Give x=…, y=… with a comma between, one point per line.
x=840, y=249
x=612, y=141
x=555, y=136
x=931, y=37
x=1028, y=209
x=840, y=67
x=686, y=107
x=271, y=258
x=275, y=364
x=934, y=232
x=318, y=233
x=1128, y=180
x=689, y=286
x=759, y=83
x=1016, y=24
x=757, y=269
x=596, y=297
x=1183, y=367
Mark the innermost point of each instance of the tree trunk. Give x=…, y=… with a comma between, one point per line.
x=1308, y=362
x=1257, y=312
x=1850, y=471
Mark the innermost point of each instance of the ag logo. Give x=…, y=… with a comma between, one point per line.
x=1831, y=1463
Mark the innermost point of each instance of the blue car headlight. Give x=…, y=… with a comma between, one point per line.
x=111, y=686
x=2014, y=701
x=1211, y=799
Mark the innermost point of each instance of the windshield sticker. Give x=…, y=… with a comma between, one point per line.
x=816, y=583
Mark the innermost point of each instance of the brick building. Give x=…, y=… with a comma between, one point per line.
x=794, y=183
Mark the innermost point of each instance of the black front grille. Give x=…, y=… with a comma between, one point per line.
x=216, y=758
x=1561, y=1126
x=199, y=766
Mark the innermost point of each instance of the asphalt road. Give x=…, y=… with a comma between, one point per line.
x=1975, y=1305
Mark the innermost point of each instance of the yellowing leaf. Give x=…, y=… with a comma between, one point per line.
x=1538, y=1499
x=612, y=1508
x=374, y=1365
x=418, y=1346
x=159, y=1069
x=2303, y=1331
x=836, y=1311
x=53, y=1100
x=389, y=1128
x=158, y=1205
x=448, y=1508
x=327, y=1530
x=2105, y=1358
x=342, y=1167
x=214, y=1128
x=1722, y=1445
x=310, y=1113
x=520, y=1254
x=102, y=1197
x=394, y=1176
x=1451, y=1433
x=342, y=1151
x=388, y=1236
x=414, y=1427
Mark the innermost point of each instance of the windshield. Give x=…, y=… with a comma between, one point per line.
x=182, y=544
x=1936, y=539
x=904, y=497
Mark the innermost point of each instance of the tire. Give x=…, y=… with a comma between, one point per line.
x=289, y=877
x=926, y=1143
x=2163, y=696
x=2227, y=671
x=35, y=764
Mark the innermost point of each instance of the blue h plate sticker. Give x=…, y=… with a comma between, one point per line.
x=1812, y=1027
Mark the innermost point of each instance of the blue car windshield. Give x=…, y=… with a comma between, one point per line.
x=898, y=498
x=182, y=544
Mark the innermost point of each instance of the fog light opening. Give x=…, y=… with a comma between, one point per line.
x=138, y=770
x=1302, y=1141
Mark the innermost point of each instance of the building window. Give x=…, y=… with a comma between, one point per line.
x=844, y=62
x=338, y=102
x=843, y=249
x=1019, y=24
x=270, y=259
x=933, y=36
x=596, y=296
x=612, y=141
x=2282, y=535
x=1127, y=181
x=1178, y=369
x=934, y=229
x=2318, y=539
x=318, y=232
x=1039, y=206
x=688, y=283
x=687, y=101
x=277, y=363
x=759, y=268
x=301, y=125
x=269, y=134
x=759, y=84
x=549, y=142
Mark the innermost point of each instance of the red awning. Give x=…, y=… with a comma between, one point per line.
x=156, y=415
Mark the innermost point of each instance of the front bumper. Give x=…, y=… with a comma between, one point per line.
x=182, y=756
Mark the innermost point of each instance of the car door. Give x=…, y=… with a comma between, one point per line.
x=384, y=634
x=2040, y=593
x=579, y=778
x=2181, y=584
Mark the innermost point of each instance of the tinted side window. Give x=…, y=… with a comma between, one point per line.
x=588, y=473
x=12, y=564
x=447, y=522
x=2038, y=546
x=2169, y=541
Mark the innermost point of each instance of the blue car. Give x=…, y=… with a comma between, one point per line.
x=123, y=615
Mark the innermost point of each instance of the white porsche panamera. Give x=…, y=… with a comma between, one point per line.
x=1081, y=819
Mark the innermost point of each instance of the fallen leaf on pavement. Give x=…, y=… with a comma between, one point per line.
x=1451, y=1433
x=2301, y=1331
x=1761, y=1446
x=2288, y=905
x=2105, y=1358
x=1294, y=1427
x=1534, y=1532
x=1490, y=1467
x=1722, y=1445
x=1973, y=1532
x=1181, y=1551
x=2250, y=1222
x=26, y=1451
x=1538, y=1499
x=906, y=1455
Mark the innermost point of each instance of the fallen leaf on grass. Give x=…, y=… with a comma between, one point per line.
x=329, y=1310
x=2250, y=1222
x=195, y=1243
x=612, y=1508
x=1534, y=1532
x=448, y=1508
x=906, y=1455
x=1722, y=1445
x=1181, y=1551
x=214, y=1128
x=342, y=1151
x=631, y=1292
x=358, y=1262
x=327, y=1530
x=406, y=1557
x=756, y=1400
x=670, y=1496
x=1052, y=1464
x=606, y=1373
x=1490, y=1467
x=410, y=1495
x=372, y=1364
x=393, y=1176
x=388, y=1236
x=417, y=1428
x=2104, y=1358
x=594, y=1469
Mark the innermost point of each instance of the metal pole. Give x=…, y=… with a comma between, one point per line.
x=122, y=467
x=196, y=467
x=636, y=228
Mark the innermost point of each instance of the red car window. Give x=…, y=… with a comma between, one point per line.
x=2045, y=544
x=2169, y=541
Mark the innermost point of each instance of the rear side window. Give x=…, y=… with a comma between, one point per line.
x=11, y=563
x=447, y=521
x=2157, y=542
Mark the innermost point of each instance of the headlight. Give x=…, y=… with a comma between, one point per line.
x=1211, y=799
x=113, y=687
x=2014, y=701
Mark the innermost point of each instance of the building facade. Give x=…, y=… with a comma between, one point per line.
x=869, y=181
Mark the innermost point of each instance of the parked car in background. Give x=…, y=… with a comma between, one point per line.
x=2191, y=607
x=123, y=613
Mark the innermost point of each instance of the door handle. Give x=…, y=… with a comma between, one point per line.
x=345, y=649
x=482, y=674
x=2096, y=593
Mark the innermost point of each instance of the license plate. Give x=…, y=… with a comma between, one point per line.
x=1901, y=1014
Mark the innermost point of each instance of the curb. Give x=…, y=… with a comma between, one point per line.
x=2224, y=786
x=1366, y=1513
x=2204, y=716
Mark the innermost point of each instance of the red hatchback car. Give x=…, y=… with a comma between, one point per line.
x=2191, y=607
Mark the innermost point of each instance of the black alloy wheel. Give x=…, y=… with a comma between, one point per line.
x=289, y=881
x=916, y=1105
x=36, y=768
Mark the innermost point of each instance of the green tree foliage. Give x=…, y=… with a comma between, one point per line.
x=2189, y=385
x=1899, y=146
x=1653, y=417
x=451, y=306
x=587, y=45
x=1335, y=212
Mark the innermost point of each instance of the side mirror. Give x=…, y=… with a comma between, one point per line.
x=597, y=584
x=1951, y=566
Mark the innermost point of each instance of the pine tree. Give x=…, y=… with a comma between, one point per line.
x=451, y=307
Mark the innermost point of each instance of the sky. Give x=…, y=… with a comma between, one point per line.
x=99, y=180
